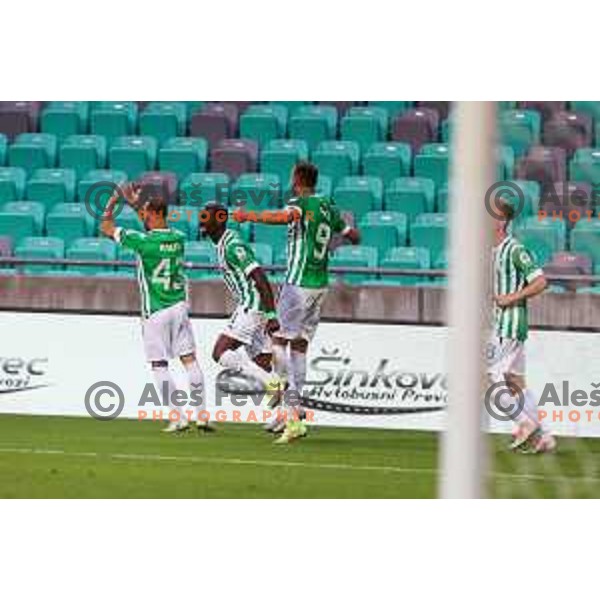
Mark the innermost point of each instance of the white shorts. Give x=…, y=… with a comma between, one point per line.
x=299, y=311
x=505, y=356
x=248, y=327
x=168, y=333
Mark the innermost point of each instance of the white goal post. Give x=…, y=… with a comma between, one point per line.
x=472, y=172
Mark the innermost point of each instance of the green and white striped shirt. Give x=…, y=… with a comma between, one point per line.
x=514, y=268
x=237, y=261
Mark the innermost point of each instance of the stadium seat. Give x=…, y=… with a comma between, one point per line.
x=3, y=149
x=520, y=129
x=125, y=254
x=17, y=117
x=393, y=107
x=568, y=130
x=337, y=159
x=586, y=107
x=235, y=157
x=263, y=253
x=133, y=154
x=546, y=107
x=314, y=124
x=183, y=155
x=542, y=238
x=280, y=156
x=430, y=230
x=197, y=189
x=354, y=256
x=101, y=249
x=273, y=235
x=50, y=186
x=96, y=187
x=163, y=120
x=384, y=230
x=325, y=186
x=568, y=263
x=33, y=151
x=359, y=195
x=12, y=184
x=113, y=119
x=69, y=221
x=65, y=118
x=406, y=258
x=256, y=192
x=388, y=160
x=542, y=164
x=21, y=219
x=411, y=196
x=585, y=239
x=365, y=125
x=569, y=200
x=432, y=163
x=201, y=253
x=163, y=183
x=442, y=107
x=263, y=123
x=41, y=247
x=416, y=127
x=83, y=153
x=193, y=106
x=6, y=246
x=505, y=165
x=215, y=122
x=585, y=166
x=341, y=106
x=290, y=105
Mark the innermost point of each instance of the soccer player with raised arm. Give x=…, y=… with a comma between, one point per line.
x=245, y=345
x=166, y=327
x=312, y=220
x=516, y=279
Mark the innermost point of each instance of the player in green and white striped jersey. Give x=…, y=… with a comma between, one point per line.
x=166, y=327
x=516, y=279
x=245, y=345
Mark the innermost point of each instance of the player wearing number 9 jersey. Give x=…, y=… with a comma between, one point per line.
x=312, y=221
x=166, y=327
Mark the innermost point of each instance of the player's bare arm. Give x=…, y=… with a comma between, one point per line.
x=107, y=226
x=535, y=288
x=267, y=298
x=270, y=217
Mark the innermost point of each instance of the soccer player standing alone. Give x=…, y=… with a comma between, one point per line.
x=312, y=220
x=516, y=279
x=166, y=327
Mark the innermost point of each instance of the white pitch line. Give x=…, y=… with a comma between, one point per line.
x=276, y=463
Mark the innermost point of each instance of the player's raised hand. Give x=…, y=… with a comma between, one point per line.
x=131, y=193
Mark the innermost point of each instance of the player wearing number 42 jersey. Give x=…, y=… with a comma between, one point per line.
x=516, y=279
x=166, y=328
x=312, y=220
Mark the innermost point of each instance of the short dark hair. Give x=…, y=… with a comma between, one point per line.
x=306, y=173
x=505, y=208
x=157, y=203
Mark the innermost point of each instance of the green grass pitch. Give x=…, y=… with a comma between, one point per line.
x=56, y=457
